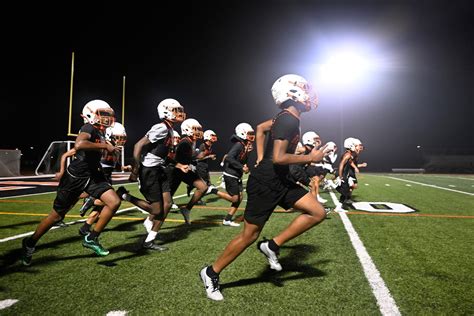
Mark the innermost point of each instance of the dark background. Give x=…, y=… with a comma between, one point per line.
x=220, y=58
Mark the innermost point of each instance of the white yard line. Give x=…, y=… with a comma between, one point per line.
x=382, y=294
x=74, y=222
x=7, y=303
x=432, y=186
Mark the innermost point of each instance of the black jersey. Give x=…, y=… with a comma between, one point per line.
x=185, y=151
x=207, y=150
x=87, y=161
x=285, y=126
x=236, y=157
x=347, y=169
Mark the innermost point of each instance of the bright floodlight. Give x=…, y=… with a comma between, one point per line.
x=344, y=68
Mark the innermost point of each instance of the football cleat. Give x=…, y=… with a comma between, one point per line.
x=211, y=285
x=95, y=246
x=271, y=255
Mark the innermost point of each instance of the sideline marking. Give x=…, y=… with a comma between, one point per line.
x=382, y=294
x=431, y=185
x=7, y=303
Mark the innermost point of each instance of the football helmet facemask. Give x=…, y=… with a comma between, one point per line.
x=171, y=110
x=191, y=127
x=98, y=112
x=245, y=132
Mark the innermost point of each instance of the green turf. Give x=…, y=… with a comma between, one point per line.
x=426, y=262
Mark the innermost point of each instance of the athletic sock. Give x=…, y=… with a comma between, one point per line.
x=151, y=236
x=211, y=273
x=93, y=235
x=214, y=191
x=273, y=246
x=228, y=217
x=86, y=226
x=30, y=242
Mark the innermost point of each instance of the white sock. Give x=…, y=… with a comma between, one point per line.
x=151, y=236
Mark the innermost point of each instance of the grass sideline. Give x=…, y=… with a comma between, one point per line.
x=426, y=262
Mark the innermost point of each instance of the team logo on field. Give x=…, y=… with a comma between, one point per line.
x=382, y=207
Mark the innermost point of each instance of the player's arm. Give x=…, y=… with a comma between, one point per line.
x=62, y=167
x=362, y=165
x=262, y=128
x=233, y=154
x=343, y=161
x=83, y=143
x=281, y=157
x=137, y=152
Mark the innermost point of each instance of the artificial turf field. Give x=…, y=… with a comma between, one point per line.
x=425, y=259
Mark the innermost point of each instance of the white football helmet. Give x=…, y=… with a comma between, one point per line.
x=171, y=110
x=210, y=135
x=311, y=138
x=245, y=132
x=296, y=88
x=98, y=112
x=358, y=145
x=191, y=128
x=176, y=138
x=331, y=146
x=349, y=143
x=116, y=134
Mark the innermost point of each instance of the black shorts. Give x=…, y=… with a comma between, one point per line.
x=203, y=173
x=262, y=200
x=176, y=176
x=70, y=188
x=108, y=173
x=233, y=186
x=153, y=182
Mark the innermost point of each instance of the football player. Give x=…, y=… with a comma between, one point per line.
x=83, y=174
x=347, y=180
x=205, y=154
x=116, y=135
x=235, y=165
x=150, y=155
x=183, y=169
x=270, y=185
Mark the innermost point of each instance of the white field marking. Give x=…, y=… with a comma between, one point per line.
x=74, y=222
x=117, y=313
x=382, y=294
x=451, y=177
x=408, y=185
x=432, y=186
x=452, y=186
x=7, y=303
x=387, y=185
x=56, y=227
x=51, y=192
x=366, y=184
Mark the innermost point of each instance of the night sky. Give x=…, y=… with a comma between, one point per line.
x=219, y=60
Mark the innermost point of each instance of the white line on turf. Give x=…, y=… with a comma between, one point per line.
x=382, y=294
x=387, y=185
x=7, y=303
x=408, y=185
x=452, y=186
x=117, y=313
x=432, y=186
x=74, y=222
